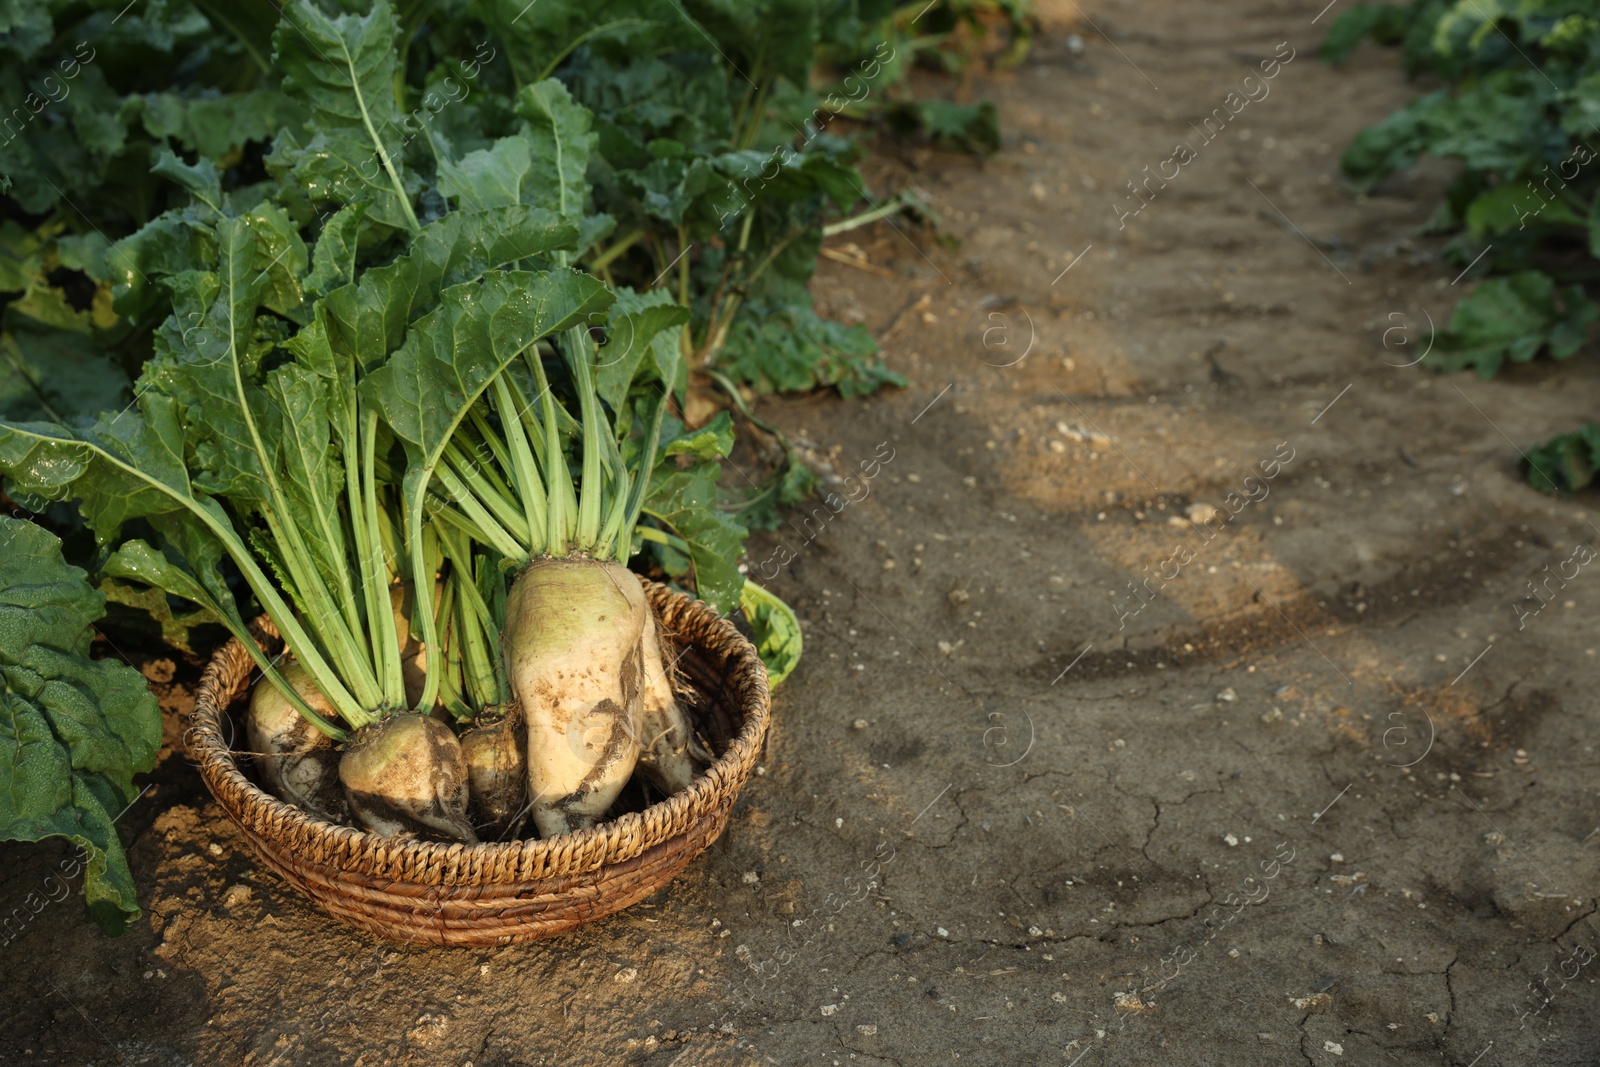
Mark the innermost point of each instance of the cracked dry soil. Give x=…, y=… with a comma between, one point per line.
x=1320, y=792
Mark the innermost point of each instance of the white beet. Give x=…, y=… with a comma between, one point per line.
x=497, y=774
x=667, y=745
x=299, y=764
x=571, y=646
x=405, y=776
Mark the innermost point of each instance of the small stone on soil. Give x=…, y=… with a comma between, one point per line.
x=1130, y=1002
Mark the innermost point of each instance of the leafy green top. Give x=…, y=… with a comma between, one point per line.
x=76, y=729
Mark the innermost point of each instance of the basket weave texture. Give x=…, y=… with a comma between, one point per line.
x=490, y=894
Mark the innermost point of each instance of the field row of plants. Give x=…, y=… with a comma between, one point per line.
x=1518, y=108
x=413, y=327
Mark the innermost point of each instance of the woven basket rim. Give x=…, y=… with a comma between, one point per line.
x=442, y=863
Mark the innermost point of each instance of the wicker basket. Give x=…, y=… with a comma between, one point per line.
x=491, y=894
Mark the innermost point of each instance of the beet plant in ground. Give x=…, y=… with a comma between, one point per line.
x=75, y=730
x=97, y=97
x=1518, y=109
x=1566, y=462
x=89, y=98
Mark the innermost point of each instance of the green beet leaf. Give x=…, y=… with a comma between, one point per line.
x=54, y=374
x=775, y=629
x=1565, y=463
x=712, y=441
x=211, y=126
x=971, y=128
x=1513, y=319
x=334, y=261
x=343, y=69
x=74, y=730
x=204, y=360
x=793, y=349
x=147, y=615
x=643, y=343
x=772, y=38
x=451, y=354
x=686, y=502
x=1384, y=23
x=538, y=33
x=200, y=179
x=367, y=320
x=129, y=465
x=489, y=177
x=560, y=141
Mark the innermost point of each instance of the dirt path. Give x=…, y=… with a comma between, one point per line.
x=1316, y=790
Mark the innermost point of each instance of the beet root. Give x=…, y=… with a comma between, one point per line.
x=497, y=774
x=299, y=764
x=405, y=776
